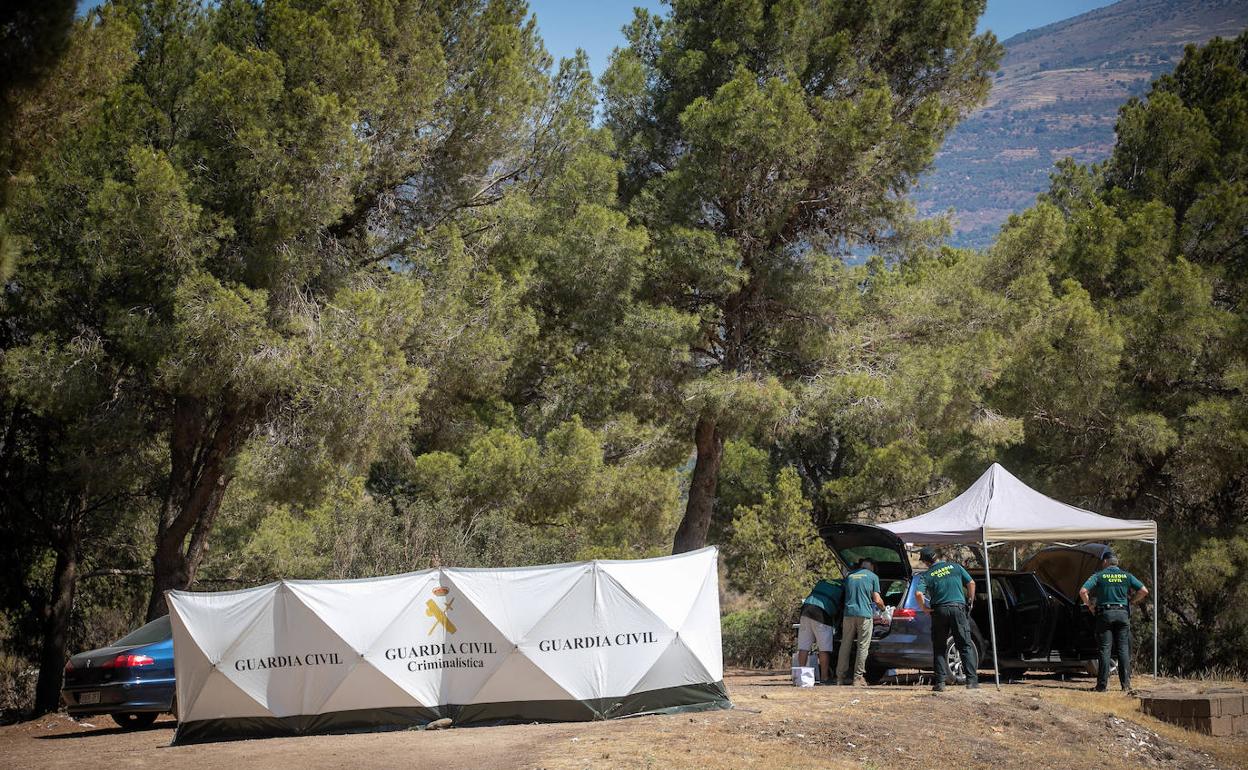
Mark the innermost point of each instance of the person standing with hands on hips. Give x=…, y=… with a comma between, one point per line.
x=1108, y=594
x=862, y=589
x=940, y=594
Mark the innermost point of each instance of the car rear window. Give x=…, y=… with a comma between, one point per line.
x=879, y=554
x=894, y=591
x=156, y=631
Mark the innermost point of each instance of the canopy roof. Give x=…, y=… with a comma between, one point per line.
x=999, y=507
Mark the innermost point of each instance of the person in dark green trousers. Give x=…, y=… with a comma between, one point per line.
x=1109, y=594
x=946, y=592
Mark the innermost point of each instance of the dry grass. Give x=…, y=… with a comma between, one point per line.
x=1230, y=752
x=1042, y=722
x=1038, y=723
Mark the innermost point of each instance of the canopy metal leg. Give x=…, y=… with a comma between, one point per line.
x=1156, y=604
x=992, y=621
x=1015, y=551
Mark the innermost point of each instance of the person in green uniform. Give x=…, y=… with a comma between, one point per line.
x=946, y=592
x=815, y=627
x=1108, y=594
x=862, y=589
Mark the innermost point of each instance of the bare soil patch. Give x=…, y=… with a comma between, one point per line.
x=1039, y=722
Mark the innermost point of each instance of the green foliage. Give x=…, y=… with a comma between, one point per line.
x=742, y=404
x=744, y=478
x=560, y=485
x=774, y=556
x=232, y=223
x=749, y=638
x=760, y=141
x=17, y=685
x=37, y=35
x=1130, y=385
x=773, y=548
x=350, y=535
x=338, y=289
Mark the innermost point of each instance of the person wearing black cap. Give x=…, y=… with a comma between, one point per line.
x=941, y=594
x=1108, y=594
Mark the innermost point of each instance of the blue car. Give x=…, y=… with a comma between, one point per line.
x=131, y=680
x=1039, y=625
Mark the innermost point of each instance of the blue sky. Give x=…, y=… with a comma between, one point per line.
x=595, y=24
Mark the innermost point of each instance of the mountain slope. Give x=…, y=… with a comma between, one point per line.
x=1057, y=95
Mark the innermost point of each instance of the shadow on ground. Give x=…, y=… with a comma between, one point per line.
x=103, y=731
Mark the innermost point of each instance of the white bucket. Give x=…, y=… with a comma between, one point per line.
x=803, y=676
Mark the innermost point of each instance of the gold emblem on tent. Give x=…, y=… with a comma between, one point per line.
x=439, y=613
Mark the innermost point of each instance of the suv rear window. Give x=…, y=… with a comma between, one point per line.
x=879, y=554
x=894, y=591
x=156, y=631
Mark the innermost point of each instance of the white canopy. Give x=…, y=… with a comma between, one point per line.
x=594, y=640
x=998, y=507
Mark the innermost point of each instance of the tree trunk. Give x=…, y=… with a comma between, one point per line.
x=201, y=449
x=52, y=656
x=170, y=572
x=691, y=535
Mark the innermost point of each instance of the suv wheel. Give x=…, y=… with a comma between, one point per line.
x=954, y=661
x=135, y=721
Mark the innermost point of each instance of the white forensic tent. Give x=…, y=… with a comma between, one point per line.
x=592, y=640
x=999, y=508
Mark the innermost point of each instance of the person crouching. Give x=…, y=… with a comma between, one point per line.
x=815, y=627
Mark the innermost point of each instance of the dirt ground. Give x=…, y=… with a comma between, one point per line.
x=1040, y=722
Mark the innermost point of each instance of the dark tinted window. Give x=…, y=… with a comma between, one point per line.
x=156, y=631
x=1027, y=590
x=996, y=591
x=893, y=592
x=879, y=554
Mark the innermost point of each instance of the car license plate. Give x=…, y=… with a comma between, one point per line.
x=89, y=697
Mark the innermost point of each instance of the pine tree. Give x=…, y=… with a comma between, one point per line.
x=762, y=141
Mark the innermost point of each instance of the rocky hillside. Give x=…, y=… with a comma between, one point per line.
x=1057, y=95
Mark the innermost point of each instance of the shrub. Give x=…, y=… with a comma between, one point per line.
x=773, y=559
x=749, y=638
x=17, y=687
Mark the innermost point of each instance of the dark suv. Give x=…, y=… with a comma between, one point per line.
x=1039, y=627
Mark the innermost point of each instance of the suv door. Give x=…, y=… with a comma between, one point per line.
x=1031, y=618
x=1065, y=567
x=1000, y=611
x=1085, y=645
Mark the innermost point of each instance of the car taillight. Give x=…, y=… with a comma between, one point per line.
x=904, y=613
x=128, y=661
x=69, y=665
